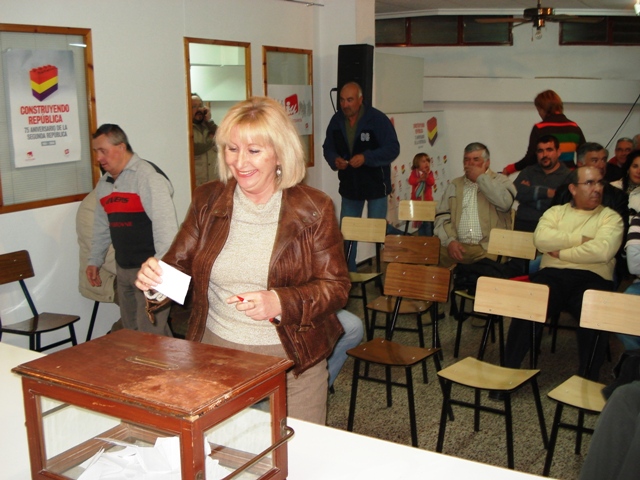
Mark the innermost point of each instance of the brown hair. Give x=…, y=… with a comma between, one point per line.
x=417, y=158
x=549, y=102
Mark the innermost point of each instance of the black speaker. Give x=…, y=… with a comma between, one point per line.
x=355, y=64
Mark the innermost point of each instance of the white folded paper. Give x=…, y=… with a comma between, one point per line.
x=160, y=462
x=174, y=283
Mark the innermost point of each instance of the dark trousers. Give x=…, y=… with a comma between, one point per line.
x=566, y=289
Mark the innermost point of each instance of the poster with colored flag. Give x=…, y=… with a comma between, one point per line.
x=298, y=102
x=42, y=106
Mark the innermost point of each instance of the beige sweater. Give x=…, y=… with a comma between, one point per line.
x=562, y=229
x=241, y=267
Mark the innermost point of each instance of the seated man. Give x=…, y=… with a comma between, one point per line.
x=579, y=241
x=352, y=336
x=592, y=154
x=537, y=184
x=615, y=165
x=470, y=207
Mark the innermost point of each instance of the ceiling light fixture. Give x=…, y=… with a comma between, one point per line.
x=539, y=23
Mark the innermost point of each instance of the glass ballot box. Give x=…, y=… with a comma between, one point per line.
x=153, y=404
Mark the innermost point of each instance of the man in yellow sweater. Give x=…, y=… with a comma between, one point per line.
x=579, y=241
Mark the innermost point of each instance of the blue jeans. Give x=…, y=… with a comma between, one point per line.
x=353, y=333
x=426, y=229
x=630, y=342
x=376, y=208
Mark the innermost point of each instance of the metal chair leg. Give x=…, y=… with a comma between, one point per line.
x=412, y=407
x=509, y=424
x=552, y=439
x=543, y=425
x=94, y=314
x=446, y=407
x=354, y=394
x=579, y=432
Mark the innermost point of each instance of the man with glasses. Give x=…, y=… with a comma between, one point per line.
x=579, y=241
x=593, y=154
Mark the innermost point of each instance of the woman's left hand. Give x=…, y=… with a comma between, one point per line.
x=260, y=305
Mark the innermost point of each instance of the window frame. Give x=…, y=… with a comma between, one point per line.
x=460, y=26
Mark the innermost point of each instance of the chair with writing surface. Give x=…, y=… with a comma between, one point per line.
x=497, y=297
x=604, y=312
x=416, y=211
x=503, y=243
x=402, y=281
x=367, y=230
x=16, y=267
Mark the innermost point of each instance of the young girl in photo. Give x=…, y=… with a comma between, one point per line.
x=421, y=180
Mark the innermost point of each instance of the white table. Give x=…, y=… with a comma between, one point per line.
x=315, y=452
x=320, y=453
x=14, y=451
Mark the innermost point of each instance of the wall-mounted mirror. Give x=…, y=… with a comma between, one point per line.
x=219, y=72
x=288, y=78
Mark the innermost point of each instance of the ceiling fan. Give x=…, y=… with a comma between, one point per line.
x=538, y=17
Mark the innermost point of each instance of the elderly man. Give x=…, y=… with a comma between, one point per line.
x=579, y=241
x=537, y=184
x=361, y=143
x=624, y=146
x=204, y=152
x=470, y=207
x=135, y=213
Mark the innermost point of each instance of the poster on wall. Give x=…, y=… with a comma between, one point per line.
x=417, y=133
x=298, y=102
x=43, y=106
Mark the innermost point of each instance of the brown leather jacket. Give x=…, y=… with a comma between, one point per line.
x=307, y=268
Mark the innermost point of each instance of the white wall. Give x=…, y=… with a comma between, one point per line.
x=140, y=84
x=487, y=93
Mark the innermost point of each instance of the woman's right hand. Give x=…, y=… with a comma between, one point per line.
x=149, y=275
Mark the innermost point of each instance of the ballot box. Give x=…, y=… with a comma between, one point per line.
x=129, y=390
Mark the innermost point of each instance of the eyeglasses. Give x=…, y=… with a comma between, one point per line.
x=592, y=183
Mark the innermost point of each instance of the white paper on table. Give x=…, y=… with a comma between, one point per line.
x=160, y=462
x=174, y=283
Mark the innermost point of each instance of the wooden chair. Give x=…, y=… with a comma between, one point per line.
x=16, y=267
x=421, y=282
x=416, y=211
x=497, y=296
x=415, y=250
x=368, y=230
x=605, y=312
x=504, y=243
